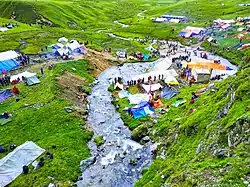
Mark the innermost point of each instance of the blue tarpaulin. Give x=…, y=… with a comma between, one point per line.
x=168, y=93
x=8, y=64
x=5, y=94
x=141, y=110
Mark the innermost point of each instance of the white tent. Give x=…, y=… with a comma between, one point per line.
x=11, y=166
x=63, y=51
x=171, y=80
x=63, y=39
x=152, y=87
x=138, y=98
x=7, y=55
x=73, y=45
x=20, y=75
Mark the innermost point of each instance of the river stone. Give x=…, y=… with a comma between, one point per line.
x=146, y=139
x=85, y=163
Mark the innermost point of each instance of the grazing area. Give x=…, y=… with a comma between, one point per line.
x=125, y=93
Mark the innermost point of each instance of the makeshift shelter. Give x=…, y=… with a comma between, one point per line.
x=157, y=103
x=208, y=65
x=141, y=110
x=32, y=80
x=57, y=46
x=173, y=17
x=11, y=166
x=138, y=98
x=20, y=75
x=171, y=80
x=168, y=93
x=202, y=75
x=73, y=45
x=8, y=60
x=62, y=40
x=124, y=94
x=5, y=94
x=152, y=87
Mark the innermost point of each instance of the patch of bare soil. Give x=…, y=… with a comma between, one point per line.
x=72, y=91
x=99, y=61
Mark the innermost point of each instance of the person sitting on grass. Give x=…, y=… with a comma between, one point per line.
x=192, y=81
x=193, y=98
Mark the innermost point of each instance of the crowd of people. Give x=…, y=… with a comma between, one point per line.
x=24, y=59
x=5, y=80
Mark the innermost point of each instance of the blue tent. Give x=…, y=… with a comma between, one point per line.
x=168, y=93
x=141, y=110
x=5, y=94
x=8, y=64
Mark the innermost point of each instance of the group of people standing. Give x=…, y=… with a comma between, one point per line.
x=24, y=60
x=5, y=80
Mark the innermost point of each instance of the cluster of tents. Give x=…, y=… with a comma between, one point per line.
x=66, y=49
x=192, y=32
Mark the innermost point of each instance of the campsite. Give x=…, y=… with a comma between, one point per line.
x=124, y=93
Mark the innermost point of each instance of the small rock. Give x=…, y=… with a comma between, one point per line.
x=68, y=109
x=146, y=139
x=85, y=163
x=246, y=182
x=162, y=177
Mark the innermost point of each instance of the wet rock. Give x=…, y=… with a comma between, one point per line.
x=220, y=153
x=51, y=185
x=139, y=132
x=85, y=163
x=146, y=139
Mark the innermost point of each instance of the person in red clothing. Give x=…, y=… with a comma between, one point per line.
x=15, y=90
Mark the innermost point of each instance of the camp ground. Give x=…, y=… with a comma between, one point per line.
x=8, y=61
x=170, y=19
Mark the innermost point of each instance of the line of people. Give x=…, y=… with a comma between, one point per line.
x=5, y=80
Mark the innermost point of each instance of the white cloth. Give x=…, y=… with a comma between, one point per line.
x=138, y=98
x=11, y=166
x=24, y=74
x=152, y=87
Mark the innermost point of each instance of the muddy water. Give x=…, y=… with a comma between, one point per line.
x=112, y=166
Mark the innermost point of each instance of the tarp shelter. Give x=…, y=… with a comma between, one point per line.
x=124, y=94
x=138, y=98
x=73, y=45
x=168, y=93
x=8, y=60
x=152, y=87
x=32, y=80
x=171, y=80
x=20, y=75
x=207, y=65
x=191, y=31
x=202, y=75
x=62, y=40
x=118, y=86
x=11, y=166
x=141, y=110
x=5, y=94
x=57, y=46
x=62, y=51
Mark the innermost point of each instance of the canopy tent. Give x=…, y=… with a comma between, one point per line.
x=7, y=60
x=62, y=40
x=20, y=75
x=207, y=65
x=141, y=110
x=168, y=93
x=73, y=45
x=138, y=98
x=171, y=80
x=152, y=74
x=152, y=87
x=5, y=94
x=32, y=80
x=11, y=166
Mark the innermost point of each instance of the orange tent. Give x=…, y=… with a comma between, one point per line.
x=157, y=103
x=206, y=65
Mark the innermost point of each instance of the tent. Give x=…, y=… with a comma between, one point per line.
x=20, y=75
x=32, y=80
x=152, y=87
x=141, y=110
x=207, y=65
x=63, y=39
x=138, y=98
x=73, y=45
x=57, y=46
x=202, y=75
x=124, y=94
x=3, y=29
x=8, y=60
x=157, y=103
x=5, y=94
x=171, y=80
x=11, y=166
x=168, y=93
